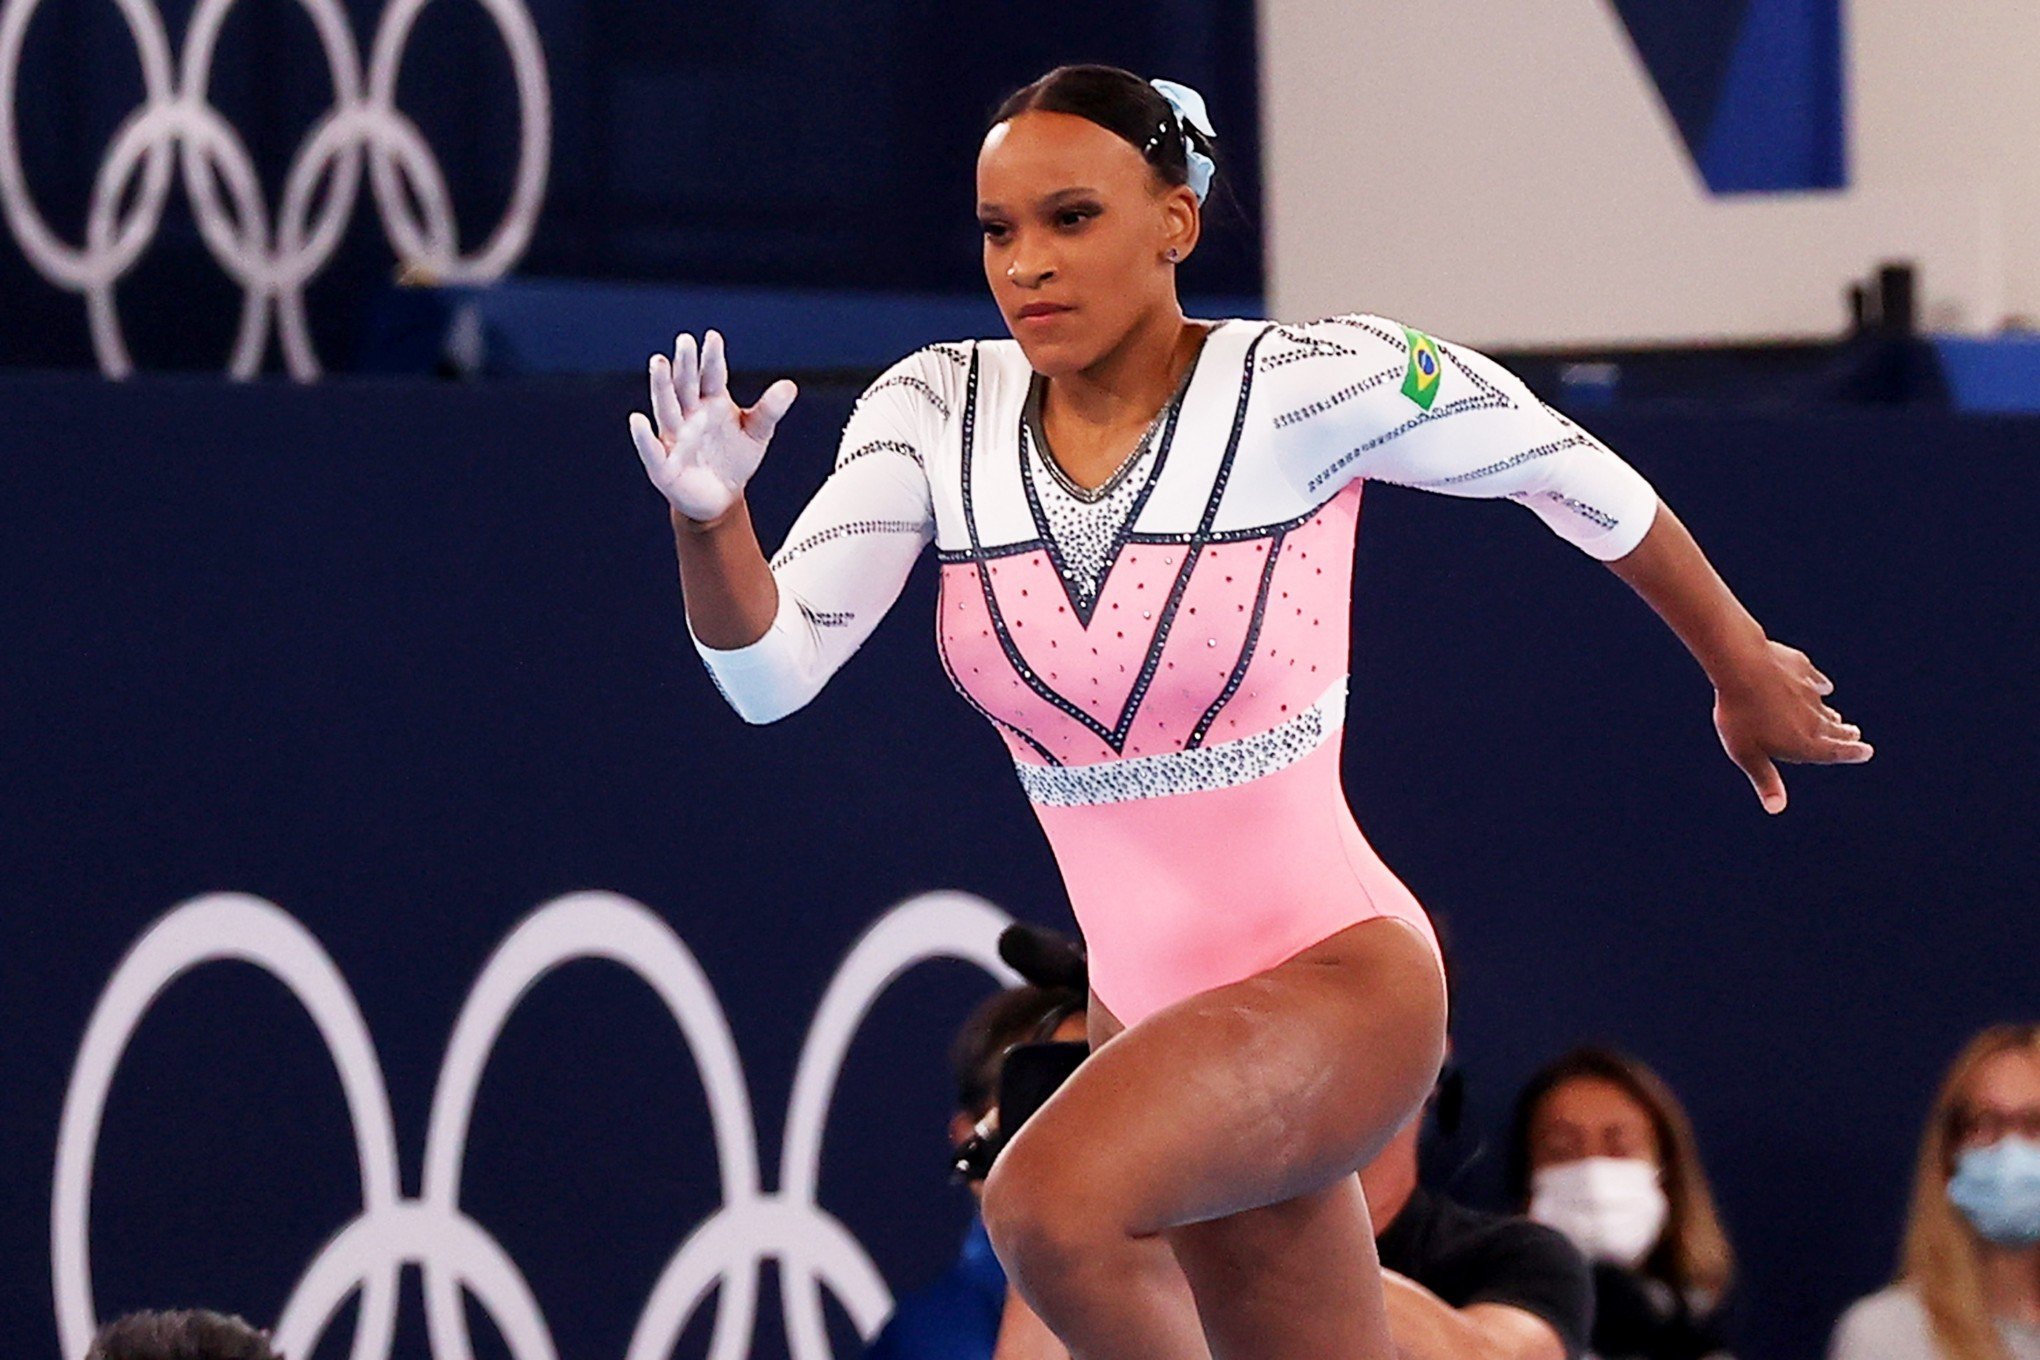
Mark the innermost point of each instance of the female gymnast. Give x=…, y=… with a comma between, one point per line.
x=1145, y=529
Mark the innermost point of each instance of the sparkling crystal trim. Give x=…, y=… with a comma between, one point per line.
x=1088, y=532
x=1486, y=396
x=1201, y=768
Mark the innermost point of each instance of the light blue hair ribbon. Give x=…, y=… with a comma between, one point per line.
x=1190, y=111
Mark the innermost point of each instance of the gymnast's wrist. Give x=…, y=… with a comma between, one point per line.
x=701, y=528
x=1737, y=659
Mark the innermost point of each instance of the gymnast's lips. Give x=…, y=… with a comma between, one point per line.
x=1042, y=311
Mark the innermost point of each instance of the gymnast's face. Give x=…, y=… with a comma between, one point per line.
x=1077, y=230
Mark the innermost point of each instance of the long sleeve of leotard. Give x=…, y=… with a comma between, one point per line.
x=1362, y=396
x=848, y=554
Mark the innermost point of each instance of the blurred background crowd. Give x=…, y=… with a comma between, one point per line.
x=1610, y=1244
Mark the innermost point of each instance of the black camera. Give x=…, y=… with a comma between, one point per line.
x=1030, y=1074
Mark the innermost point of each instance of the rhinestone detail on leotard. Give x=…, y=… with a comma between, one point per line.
x=1089, y=532
x=1220, y=766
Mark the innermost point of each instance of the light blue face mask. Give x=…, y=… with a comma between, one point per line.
x=1997, y=1188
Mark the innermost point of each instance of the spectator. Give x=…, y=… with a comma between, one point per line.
x=1603, y=1151
x=1461, y=1283
x=185, y=1334
x=960, y=1316
x=1969, y=1282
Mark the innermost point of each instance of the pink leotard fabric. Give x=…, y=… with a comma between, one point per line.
x=1165, y=656
x=1186, y=890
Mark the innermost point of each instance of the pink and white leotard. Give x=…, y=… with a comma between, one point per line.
x=1165, y=655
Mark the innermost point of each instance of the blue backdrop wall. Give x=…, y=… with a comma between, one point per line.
x=407, y=660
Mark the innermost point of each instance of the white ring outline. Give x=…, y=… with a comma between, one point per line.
x=812, y=1247
x=176, y=117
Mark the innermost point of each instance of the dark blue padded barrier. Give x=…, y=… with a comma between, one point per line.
x=406, y=659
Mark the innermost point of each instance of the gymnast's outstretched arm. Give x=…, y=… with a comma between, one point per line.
x=772, y=633
x=1364, y=397
x=1769, y=700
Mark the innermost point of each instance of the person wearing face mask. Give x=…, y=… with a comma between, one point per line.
x=1603, y=1151
x=1969, y=1283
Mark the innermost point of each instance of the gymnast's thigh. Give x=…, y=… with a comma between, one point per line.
x=1249, y=1094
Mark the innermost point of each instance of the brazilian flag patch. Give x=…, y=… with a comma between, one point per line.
x=1420, y=384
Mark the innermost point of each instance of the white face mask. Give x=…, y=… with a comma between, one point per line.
x=1612, y=1208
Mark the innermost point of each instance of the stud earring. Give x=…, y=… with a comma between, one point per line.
x=1172, y=252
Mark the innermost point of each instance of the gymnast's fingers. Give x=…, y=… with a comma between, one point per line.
x=715, y=368
x=762, y=419
x=686, y=373
x=1844, y=751
x=665, y=401
x=651, y=449
x=1763, y=777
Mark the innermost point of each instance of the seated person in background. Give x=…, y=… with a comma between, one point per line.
x=1602, y=1150
x=1969, y=1283
x=1462, y=1284
x=186, y=1334
x=964, y=1313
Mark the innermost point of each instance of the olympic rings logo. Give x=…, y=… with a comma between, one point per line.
x=812, y=1247
x=271, y=266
